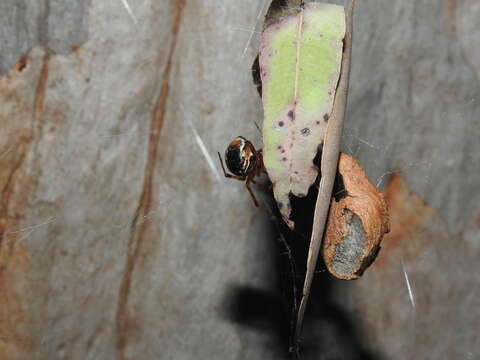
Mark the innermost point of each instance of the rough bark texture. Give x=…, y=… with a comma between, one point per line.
x=439, y=293
x=120, y=241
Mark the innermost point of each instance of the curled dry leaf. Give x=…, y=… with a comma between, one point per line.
x=357, y=221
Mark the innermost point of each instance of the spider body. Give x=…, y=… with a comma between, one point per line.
x=241, y=157
x=244, y=162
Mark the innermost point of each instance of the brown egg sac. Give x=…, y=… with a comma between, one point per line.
x=357, y=220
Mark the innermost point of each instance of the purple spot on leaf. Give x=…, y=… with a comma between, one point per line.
x=305, y=131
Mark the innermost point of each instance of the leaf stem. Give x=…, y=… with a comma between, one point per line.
x=329, y=163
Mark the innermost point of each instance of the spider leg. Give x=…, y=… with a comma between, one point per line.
x=262, y=167
x=247, y=184
x=247, y=179
x=227, y=175
x=258, y=128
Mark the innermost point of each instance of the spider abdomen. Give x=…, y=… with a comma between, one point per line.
x=240, y=156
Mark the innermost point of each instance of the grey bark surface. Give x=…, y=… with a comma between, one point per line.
x=121, y=241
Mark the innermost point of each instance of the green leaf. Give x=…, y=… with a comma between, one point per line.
x=300, y=60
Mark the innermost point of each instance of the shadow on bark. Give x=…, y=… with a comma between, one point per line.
x=330, y=329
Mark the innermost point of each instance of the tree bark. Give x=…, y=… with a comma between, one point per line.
x=121, y=240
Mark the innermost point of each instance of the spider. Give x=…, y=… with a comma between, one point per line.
x=244, y=162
